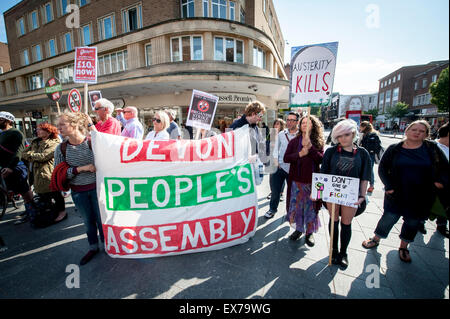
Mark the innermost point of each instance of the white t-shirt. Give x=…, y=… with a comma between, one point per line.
x=443, y=148
x=158, y=136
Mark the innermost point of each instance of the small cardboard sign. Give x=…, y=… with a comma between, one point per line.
x=341, y=190
x=74, y=100
x=53, y=89
x=93, y=97
x=202, y=110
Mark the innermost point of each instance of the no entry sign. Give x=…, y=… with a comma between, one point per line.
x=74, y=100
x=202, y=110
x=85, y=65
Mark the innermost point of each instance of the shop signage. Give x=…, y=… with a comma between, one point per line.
x=235, y=98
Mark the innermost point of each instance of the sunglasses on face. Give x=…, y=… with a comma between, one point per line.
x=156, y=120
x=98, y=108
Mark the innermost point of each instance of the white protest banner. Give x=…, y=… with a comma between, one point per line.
x=202, y=110
x=174, y=197
x=85, y=68
x=312, y=74
x=341, y=190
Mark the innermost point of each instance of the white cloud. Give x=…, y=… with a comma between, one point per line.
x=361, y=76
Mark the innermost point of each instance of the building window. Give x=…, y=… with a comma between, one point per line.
x=113, y=62
x=20, y=27
x=219, y=9
x=381, y=85
x=424, y=83
x=381, y=103
x=232, y=10
x=264, y=6
x=64, y=74
x=259, y=57
x=186, y=48
x=187, y=9
x=389, y=82
x=398, y=77
x=132, y=18
x=242, y=14
x=37, y=55
x=67, y=41
x=51, y=47
x=63, y=4
x=385, y=83
x=228, y=49
x=388, y=98
x=206, y=8
x=434, y=78
x=25, y=57
x=34, y=20
x=35, y=82
x=416, y=85
x=270, y=19
x=394, y=79
x=83, y=2
x=85, y=35
x=106, y=27
x=395, y=96
x=148, y=55
x=48, y=12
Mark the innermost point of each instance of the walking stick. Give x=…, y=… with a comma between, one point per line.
x=333, y=206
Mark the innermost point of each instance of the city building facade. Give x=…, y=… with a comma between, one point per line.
x=151, y=54
x=5, y=63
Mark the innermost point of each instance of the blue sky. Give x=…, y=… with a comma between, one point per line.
x=407, y=32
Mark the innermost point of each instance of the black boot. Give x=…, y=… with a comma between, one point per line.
x=295, y=235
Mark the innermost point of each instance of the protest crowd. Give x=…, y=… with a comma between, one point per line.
x=414, y=171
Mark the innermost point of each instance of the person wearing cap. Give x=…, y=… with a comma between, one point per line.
x=13, y=170
x=106, y=123
x=131, y=126
x=173, y=129
x=346, y=159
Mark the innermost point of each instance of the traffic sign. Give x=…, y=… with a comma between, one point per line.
x=53, y=89
x=74, y=100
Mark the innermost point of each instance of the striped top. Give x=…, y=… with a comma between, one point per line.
x=77, y=155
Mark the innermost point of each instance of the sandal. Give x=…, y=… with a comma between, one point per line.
x=403, y=253
x=370, y=243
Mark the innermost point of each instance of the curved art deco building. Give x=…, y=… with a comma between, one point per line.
x=151, y=54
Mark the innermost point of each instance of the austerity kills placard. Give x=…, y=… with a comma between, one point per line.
x=341, y=190
x=202, y=110
x=85, y=68
x=312, y=74
x=174, y=197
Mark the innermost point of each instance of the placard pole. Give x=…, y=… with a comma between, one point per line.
x=333, y=207
x=86, y=97
x=57, y=106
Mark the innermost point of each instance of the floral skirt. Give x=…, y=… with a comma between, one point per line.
x=301, y=214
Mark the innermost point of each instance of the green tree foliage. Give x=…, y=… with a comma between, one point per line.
x=399, y=110
x=439, y=91
x=373, y=112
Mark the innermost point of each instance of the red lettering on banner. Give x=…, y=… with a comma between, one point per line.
x=178, y=237
x=323, y=88
x=298, y=84
x=210, y=149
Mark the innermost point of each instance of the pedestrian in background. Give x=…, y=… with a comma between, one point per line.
x=278, y=179
x=173, y=129
x=41, y=155
x=106, y=123
x=160, y=125
x=304, y=153
x=131, y=126
x=345, y=159
x=372, y=143
x=412, y=172
x=77, y=155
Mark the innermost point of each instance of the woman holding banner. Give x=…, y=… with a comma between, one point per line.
x=304, y=154
x=75, y=160
x=346, y=159
x=413, y=172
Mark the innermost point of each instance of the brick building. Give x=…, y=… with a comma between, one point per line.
x=5, y=64
x=151, y=54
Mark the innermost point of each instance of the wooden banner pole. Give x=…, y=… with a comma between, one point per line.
x=57, y=106
x=333, y=207
x=86, y=97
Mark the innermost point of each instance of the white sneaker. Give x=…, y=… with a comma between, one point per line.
x=269, y=214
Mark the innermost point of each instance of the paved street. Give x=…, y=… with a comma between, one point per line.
x=267, y=266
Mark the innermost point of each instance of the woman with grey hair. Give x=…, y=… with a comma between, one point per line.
x=161, y=122
x=346, y=159
x=413, y=171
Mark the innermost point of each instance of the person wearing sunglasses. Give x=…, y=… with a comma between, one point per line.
x=160, y=124
x=106, y=123
x=346, y=159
